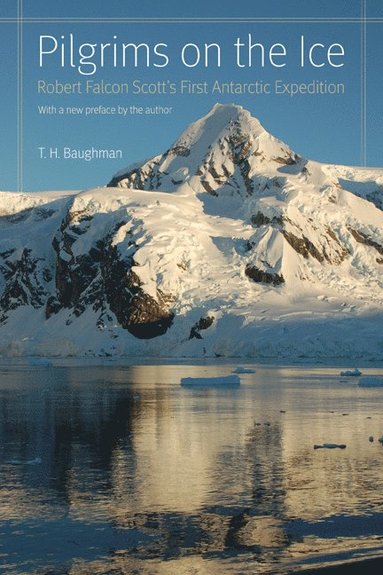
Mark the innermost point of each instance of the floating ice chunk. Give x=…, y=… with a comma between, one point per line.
x=243, y=370
x=351, y=372
x=35, y=461
x=211, y=381
x=330, y=446
x=371, y=381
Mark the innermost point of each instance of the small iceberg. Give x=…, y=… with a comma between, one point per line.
x=35, y=461
x=227, y=380
x=330, y=446
x=371, y=381
x=243, y=370
x=351, y=372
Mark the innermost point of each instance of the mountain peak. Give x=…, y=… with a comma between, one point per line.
x=222, y=152
x=228, y=112
x=232, y=106
x=222, y=118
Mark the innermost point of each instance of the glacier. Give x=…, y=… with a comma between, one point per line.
x=228, y=244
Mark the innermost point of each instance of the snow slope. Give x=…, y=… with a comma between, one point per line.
x=227, y=244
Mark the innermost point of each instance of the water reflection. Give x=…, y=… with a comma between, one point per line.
x=119, y=468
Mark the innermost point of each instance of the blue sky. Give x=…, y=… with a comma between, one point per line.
x=326, y=128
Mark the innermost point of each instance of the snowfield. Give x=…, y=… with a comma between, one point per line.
x=228, y=244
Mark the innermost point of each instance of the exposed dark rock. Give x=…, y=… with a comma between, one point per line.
x=303, y=246
x=180, y=150
x=225, y=171
x=144, y=317
x=139, y=178
x=47, y=275
x=7, y=253
x=43, y=213
x=23, y=285
x=363, y=238
x=213, y=172
x=330, y=248
x=134, y=309
x=203, y=323
x=239, y=149
x=52, y=307
x=135, y=175
x=262, y=276
x=259, y=219
x=182, y=265
x=102, y=279
x=208, y=188
x=287, y=160
x=332, y=234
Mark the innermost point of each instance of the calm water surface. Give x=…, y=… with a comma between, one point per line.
x=120, y=470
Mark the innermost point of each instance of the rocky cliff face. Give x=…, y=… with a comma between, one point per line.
x=24, y=279
x=83, y=269
x=103, y=278
x=228, y=243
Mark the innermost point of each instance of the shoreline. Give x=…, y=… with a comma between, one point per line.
x=134, y=360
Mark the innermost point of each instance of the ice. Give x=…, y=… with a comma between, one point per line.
x=226, y=380
x=330, y=446
x=351, y=372
x=243, y=370
x=35, y=461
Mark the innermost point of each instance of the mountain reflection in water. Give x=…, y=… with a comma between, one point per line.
x=121, y=470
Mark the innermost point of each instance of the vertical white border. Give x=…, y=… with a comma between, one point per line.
x=363, y=83
x=19, y=144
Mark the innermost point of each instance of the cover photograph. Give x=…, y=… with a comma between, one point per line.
x=191, y=281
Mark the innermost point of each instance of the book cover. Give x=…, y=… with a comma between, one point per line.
x=185, y=185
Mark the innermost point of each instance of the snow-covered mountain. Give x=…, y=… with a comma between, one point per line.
x=228, y=244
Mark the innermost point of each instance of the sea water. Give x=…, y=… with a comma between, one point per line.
x=120, y=469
